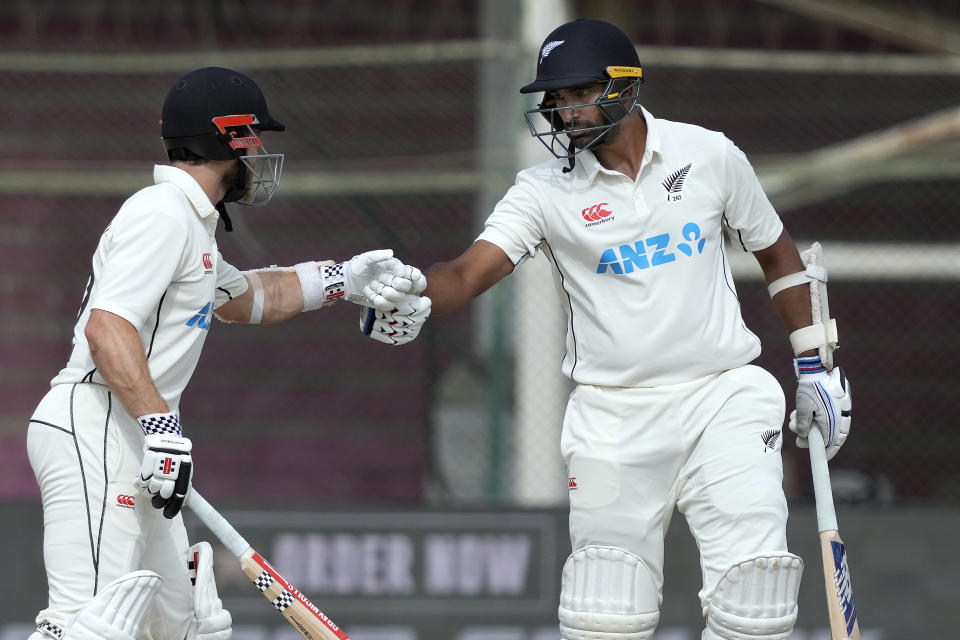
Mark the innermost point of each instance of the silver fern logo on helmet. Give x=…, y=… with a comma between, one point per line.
x=550, y=46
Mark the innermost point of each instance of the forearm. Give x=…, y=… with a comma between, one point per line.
x=452, y=285
x=447, y=289
x=118, y=354
x=275, y=292
x=792, y=304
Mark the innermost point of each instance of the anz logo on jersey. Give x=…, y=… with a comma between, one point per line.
x=202, y=318
x=652, y=252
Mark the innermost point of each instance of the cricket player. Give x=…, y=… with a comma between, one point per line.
x=667, y=411
x=106, y=444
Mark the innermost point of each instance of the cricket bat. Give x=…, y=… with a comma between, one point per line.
x=836, y=572
x=303, y=615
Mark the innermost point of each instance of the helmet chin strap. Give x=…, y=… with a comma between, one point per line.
x=600, y=140
x=570, y=153
x=235, y=191
x=222, y=210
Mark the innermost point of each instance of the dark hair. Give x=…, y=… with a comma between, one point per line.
x=182, y=154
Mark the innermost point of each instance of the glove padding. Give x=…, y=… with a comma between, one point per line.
x=166, y=472
x=400, y=325
x=823, y=401
x=377, y=279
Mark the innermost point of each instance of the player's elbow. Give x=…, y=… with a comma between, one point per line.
x=95, y=333
x=107, y=333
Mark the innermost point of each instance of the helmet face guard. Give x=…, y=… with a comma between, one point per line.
x=610, y=102
x=236, y=139
x=262, y=176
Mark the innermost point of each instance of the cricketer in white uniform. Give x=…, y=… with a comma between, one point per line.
x=667, y=411
x=105, y=442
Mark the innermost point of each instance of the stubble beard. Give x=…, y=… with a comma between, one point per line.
x=236, y=178
x=590, y=141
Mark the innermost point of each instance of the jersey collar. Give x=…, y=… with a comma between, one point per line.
x=185, y=182
x=589, y=166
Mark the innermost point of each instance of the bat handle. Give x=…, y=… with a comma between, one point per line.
x=216, y=523
x=822, y=490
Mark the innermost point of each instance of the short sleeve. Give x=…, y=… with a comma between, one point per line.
x=141, y=256
x=517, y=222
x=751, y=221
x=230, y=283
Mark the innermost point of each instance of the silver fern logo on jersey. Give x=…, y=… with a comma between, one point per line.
x=550, y=46
x=770, y=437
x=674, y=183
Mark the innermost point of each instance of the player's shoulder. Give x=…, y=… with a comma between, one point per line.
x=546, y=171
x=690, y=136
x=161, y=204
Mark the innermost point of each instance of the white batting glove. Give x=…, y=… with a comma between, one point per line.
x=394, y=285
x=374, y=279
x=166, y=471
x=400, y=325
x=824, y=402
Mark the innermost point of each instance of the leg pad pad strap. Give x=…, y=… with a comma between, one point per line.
x=756, y=599
x=607, y=594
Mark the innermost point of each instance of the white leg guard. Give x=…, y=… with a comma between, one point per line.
x=116, y=612
x=756, y=599
x=607, y=593
x=210, y=620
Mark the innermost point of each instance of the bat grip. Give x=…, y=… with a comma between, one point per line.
x=822, y=490
x=216, y=523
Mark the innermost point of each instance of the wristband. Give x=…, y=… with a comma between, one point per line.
x=808, y=366
x=311, y=284
x=152, y=423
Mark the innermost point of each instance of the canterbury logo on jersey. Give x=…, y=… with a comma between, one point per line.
x=651, y=252
x=202, y=319
x=126, y=501
x=597, y=214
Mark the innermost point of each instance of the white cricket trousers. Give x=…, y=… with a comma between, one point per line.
x=86, y=451
x=710, y=447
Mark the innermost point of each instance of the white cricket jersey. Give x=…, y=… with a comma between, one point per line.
x=158, y=267
x=640, y=265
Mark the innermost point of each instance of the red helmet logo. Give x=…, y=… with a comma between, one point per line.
x=596, y=212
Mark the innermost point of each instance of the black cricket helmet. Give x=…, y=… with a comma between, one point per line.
x=577, y=54
x=217, y=114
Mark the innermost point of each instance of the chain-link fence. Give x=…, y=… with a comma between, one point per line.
x=388, y=145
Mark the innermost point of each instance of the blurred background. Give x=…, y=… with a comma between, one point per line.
x=416, y=492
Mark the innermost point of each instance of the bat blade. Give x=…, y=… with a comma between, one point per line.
x=304, y=616
x=841, y=608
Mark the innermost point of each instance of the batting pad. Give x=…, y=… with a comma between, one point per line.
x=607, y=593
x=116, y=612
x=210, y=620
x=756, y=599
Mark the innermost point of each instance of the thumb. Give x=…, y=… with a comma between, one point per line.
x=371, y=257
x=804, y=420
